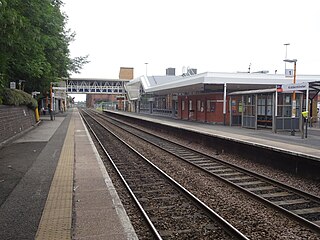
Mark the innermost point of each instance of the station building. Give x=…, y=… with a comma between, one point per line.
x=251, y=100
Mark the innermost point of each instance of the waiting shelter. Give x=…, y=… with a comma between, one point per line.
x=274, y=108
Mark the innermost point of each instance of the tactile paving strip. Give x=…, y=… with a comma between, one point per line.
x=56, y=217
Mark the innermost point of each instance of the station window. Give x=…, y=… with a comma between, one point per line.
x=182, y=105
x=211, y=105
x=200, y=106
x=249, y=110
x=284, y=105
x=190, y=105
x=249, y=105
x=265, y=105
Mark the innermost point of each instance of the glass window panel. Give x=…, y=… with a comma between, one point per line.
x=287, y=111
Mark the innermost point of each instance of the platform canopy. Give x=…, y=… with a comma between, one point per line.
x=314, y=88
x=212, y=82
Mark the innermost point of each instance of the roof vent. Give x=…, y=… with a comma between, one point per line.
x=170, y=71
x=187, y=71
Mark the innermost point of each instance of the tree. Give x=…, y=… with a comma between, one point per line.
x=34, y=43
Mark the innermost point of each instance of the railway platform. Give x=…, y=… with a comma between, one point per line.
x=54, y=186
x=281, y=141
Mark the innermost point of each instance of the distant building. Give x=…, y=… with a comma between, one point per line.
x=126, y=73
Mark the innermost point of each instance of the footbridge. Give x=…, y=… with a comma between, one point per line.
x=95, y=85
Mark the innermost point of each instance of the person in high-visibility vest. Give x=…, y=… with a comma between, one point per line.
x=305, y=114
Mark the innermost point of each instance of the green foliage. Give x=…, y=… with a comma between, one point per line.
x=18, y=97
x=2, y=82
x=34, y=43
x=77, y=63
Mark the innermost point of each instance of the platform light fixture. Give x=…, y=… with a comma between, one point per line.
x=285, y=63
x=146, y=68
x=286, y=45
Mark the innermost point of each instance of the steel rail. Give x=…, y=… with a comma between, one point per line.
x=212, y=214
x=298, y=192
x=153, y=228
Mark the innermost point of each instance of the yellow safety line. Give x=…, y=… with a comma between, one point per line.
x=56, y=217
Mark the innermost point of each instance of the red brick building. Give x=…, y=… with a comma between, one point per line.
x=205, y=108
x=114, y=101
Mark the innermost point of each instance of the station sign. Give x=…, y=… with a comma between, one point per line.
x=289, y=72
x=293, y=87
x=13, y=85
x=120, y=97
x=60, y=94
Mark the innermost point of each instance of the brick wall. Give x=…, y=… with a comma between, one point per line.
x=200, y=110
x=91, y=99
x=14, y=120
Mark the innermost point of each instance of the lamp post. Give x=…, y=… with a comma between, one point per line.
x=294, y=103
x=50, y=108
x=285, y=64
x=146, y=68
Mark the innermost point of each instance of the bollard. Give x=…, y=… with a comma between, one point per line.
x=37, y=114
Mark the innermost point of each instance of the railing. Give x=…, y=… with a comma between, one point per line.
x=162, y=112
x=315, y=123
x=144, y=110
x=156, y=111
x=95, y=86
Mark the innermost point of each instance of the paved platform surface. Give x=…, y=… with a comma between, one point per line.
x=281, y=141
x=53, y=185
x=99, y=213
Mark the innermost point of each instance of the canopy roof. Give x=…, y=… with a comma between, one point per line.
x=212, y=81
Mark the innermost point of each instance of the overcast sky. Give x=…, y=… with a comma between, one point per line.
x=209, y=35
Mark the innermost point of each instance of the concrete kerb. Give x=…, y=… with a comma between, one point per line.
x=128, y=229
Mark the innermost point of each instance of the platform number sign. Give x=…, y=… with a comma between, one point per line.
x=13, y=85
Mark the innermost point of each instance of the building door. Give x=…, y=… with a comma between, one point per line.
x=249, y=113
x=174, y=108
x=264, y=110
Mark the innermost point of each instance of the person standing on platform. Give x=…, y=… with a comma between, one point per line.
x=50, y=112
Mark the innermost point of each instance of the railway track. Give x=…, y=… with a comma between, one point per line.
x=171, y=211
x=303, y=207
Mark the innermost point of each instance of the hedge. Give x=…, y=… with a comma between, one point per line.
x=17, y=97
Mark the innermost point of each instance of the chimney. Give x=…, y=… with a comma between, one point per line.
x=126, y=73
